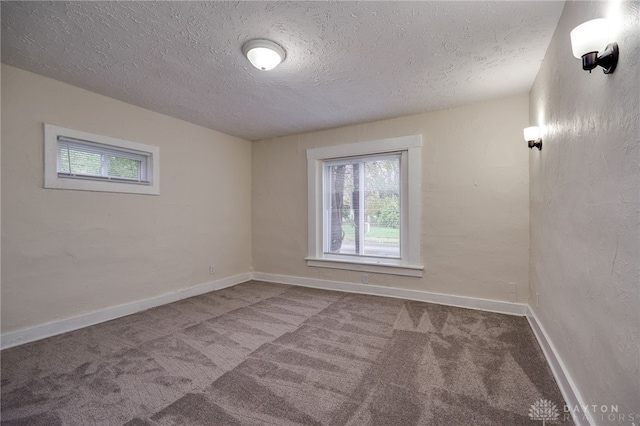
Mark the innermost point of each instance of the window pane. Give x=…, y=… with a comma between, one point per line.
x=125, y=168
x=364, y=207
x=86, y=163
x=340, y=233
x=382, y=208
x=63, y=160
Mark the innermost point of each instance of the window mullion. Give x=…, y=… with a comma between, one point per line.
x=404, y=205
x=326, y=211
x=104, y=165
x=361, y=207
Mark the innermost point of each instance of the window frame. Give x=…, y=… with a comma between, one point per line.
x=53, y=179
x=410, y=262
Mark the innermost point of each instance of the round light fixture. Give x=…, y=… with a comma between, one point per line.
x=263, y=54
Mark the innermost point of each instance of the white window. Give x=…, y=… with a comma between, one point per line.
x=364, y=206
x=84, y=161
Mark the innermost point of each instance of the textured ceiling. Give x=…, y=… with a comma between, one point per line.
x=347, y=62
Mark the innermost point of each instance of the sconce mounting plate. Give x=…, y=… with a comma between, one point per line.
x=608, y=59
x=536, y=143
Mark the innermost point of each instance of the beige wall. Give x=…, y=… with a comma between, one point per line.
x=585, y=230
x=475, y=200
x=65, y=253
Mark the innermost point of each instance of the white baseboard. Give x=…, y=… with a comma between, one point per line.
x=567, y=387
x=19, y=337
x=499, y=306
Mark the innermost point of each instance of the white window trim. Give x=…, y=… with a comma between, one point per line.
x=53, y=181
x=411, y=262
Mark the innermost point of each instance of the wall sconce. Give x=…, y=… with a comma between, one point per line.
x=588, y=39
x=532, y=136
x=263, y=54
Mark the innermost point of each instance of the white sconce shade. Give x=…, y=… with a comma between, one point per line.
x=531, y=133
x=263, y=54
x=532, y=136
x=592, y=36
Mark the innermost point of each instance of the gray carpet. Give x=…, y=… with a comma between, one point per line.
x=271, y=354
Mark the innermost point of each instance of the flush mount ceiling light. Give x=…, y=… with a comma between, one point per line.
x=588, y=41
x=532, y=136
x=263, y=54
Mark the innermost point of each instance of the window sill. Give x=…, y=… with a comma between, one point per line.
x=375, y=267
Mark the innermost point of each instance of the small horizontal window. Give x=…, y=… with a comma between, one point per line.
x=83, y=161
x=86, y=160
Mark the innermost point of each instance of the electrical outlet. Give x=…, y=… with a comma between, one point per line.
x=212, y=269
x=365, y=278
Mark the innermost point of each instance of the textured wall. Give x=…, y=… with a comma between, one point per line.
x=475, y=220
x=585, y=236
x=69, y=252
